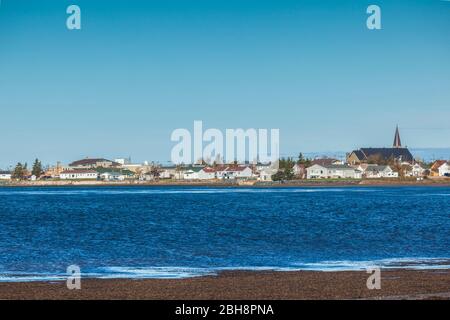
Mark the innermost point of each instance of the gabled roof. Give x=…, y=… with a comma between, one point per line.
x=437, y=164
x=359, y=154
x=324, y=161
x=236, y=169
x=377, y=168
x=388, y=153
x=78, y=171
x=93, y=161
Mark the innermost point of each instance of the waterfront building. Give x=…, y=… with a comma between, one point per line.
x=379, y=171
x=415, y=170
x=112, y=176
x=78, y=175
x=440, y=168
x=332, y=171
x=5, y=175
x=326, y=161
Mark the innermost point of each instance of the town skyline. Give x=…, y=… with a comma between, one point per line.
x=135, y=72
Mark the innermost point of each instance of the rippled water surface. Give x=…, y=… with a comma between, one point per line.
x=167, y=232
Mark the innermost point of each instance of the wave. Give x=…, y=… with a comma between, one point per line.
x=190, y=272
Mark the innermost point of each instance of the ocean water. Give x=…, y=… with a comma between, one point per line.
x=175, y=232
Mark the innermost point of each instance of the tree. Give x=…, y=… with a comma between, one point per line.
x=37, y=168
x=155, y=172
x=19, y=171
x=304, y=161
x=285, y=171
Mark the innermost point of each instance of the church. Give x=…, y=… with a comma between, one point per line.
x=382, y=155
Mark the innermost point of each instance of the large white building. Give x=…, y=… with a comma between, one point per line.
x=78, y=175
x=317, y=171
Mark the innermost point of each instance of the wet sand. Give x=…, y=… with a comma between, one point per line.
x=236, y=285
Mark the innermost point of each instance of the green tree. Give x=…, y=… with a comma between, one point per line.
x=19, y=171
x=37, y=168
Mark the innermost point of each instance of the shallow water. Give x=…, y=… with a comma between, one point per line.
x=171, y=232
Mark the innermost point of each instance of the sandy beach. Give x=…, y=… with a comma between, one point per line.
x=236, y=285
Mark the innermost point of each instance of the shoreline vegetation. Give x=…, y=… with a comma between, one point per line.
x=396, y=284
x=441, y=181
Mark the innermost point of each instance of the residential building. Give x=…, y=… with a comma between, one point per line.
x=112, y=176
x=299, y=171
x=266, y=174
x=207, y=173
x=326, y=161
x=444, y=170
x=440, y=168
x=191, y=173
x=379, y=171
x=78, y=175
x=415, y=170
x=238, y=172
x=167, y=172
x=317, y=171
x=5, y=175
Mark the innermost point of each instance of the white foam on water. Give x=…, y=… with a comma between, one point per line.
x=179, y=191
x=190, y=272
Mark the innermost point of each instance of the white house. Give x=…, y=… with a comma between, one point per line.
x=379, y=171
x=206, y=173
x=266, y=174
x=317, y=171
x=444, y=170
x=168, y=172
x=238, y=172
x=78, y=175
x=112, y=176
x=416, y=170
x=299, y=170
x=191, y=173
x=5, y=175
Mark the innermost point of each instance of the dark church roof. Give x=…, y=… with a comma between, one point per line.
x=402, y=154
x=397, y=142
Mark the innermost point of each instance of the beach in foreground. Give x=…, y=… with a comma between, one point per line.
x=235, y=285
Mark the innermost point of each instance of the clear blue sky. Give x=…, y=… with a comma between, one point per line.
x=139, y=69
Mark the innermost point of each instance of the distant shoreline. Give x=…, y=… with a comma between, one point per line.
x=442, y=182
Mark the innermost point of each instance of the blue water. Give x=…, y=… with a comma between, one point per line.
x=168, y=232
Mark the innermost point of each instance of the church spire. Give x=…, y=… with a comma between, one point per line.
x=397, y=141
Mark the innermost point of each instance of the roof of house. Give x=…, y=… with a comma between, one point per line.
x=236, y=169
x=359, y=154
x=324, y=161
x=5, y=172
x=437, y=164
x=335, y=166
x=78, y=171
x=377, y=168
x=194, y=169
x=88, y=161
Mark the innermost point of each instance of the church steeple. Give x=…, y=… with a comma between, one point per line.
x=397, y=141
